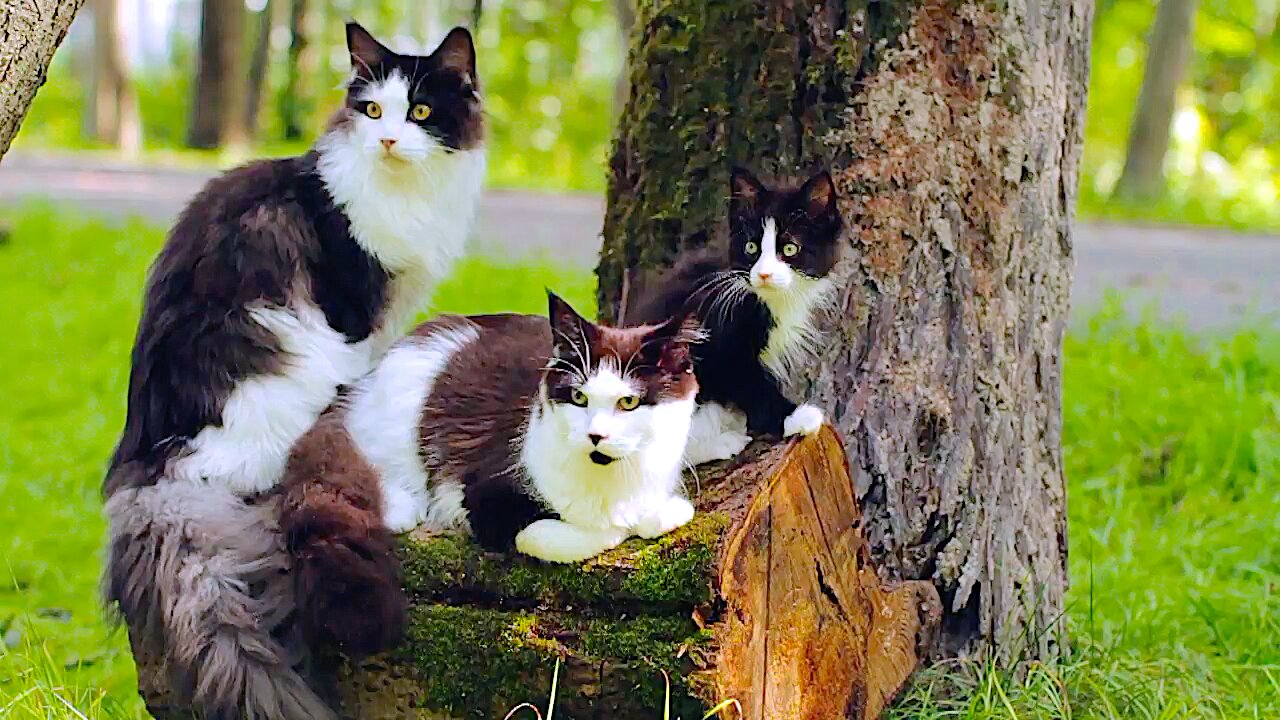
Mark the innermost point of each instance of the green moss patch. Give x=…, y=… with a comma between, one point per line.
x=479, y=662
x=670, y=572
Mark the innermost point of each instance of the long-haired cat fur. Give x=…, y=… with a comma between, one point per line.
x=553, y=436
x=280, y=282
x=759, y=302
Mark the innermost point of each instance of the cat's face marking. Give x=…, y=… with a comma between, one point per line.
x=783, y=239
x=407, y=108
x=614, y=392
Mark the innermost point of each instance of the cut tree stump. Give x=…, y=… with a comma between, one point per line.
x=768, y=597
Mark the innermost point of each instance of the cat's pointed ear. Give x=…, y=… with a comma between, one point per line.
x=366, y=51
x=457, y=52
x=570, y=332
x=675, y=340
x=745, y=189
x=819, y=194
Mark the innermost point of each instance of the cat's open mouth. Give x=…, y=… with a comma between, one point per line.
x=600, y=458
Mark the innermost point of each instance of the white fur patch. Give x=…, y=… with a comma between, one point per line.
x=804, y=420
x=412, y=207
x=264, y=416
x=383, y=418
x=716, y=433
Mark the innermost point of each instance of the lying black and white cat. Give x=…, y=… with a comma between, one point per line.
x=281, y=281
x=759, y=304
x=559, y=438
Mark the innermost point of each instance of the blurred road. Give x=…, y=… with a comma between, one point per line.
x=1208, y=278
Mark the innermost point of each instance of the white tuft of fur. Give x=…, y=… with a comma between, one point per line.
x=804, y=420
x=716, y=433
x=265, y=415
x=412, y=207
x=383, y=416
x=601, y=505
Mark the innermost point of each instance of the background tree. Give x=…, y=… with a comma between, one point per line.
x=1168, y=53
x=31, y=32
x=259, y=67
x=953, y=132
x=217, y=105
x=295, y=98
x=114, y=113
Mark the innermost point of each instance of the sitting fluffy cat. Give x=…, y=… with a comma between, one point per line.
x=758, y=303
x=555, y=436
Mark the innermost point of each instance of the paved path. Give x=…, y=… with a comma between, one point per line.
x=1211, y=279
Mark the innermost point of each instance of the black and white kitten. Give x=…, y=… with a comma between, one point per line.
x=759, y=303
x=281, y=281
x=552, y=436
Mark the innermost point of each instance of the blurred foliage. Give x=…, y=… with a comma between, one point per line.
x=548, y=69
x=1223, y=164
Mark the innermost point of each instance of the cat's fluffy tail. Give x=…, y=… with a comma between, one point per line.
x=344, y=557
x=201, y=576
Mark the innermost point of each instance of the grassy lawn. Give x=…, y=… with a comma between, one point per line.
x=1172, y=450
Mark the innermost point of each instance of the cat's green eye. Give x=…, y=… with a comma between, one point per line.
x=577, y=397
x=629, y=402
x=420, y=112
x=373, y=110
x=751, y=247
x=790, y=249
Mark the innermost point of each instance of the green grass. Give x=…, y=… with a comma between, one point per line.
x=1172, y=453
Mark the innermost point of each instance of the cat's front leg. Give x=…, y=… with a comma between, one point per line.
x=666, y=516
x=559, y=542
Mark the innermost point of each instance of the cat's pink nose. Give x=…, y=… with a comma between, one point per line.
x=595, y=438
x=765, y=275
x=388, y=143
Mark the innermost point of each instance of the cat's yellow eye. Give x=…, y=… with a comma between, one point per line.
x=420, y=112
x=373, y=110
x=752, y=248
x=790, y=249
x=577, y=397
x=628, y=402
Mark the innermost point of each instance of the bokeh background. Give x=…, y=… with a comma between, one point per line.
x=1172, y=397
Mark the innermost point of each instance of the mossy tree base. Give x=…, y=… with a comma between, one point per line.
x=767, y=597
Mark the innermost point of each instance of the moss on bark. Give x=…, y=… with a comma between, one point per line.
x=471, y=662
x=671, y=573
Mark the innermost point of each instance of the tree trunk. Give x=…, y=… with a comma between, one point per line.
x=217, y=107
x=767, y=597
x=295, y=101
x=259, y=72
x=29, y=34
x=115, y=105
x=1167, y=55
x=952, y=130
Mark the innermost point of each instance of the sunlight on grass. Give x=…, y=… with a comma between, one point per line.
x=1172, y=451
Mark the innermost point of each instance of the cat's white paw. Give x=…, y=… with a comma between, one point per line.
x=399, y=510
x=804, y=420
x=724, y=446
x=669, y=515
x=559, y=542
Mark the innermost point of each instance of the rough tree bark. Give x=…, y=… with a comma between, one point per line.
x=217, y=105
x=953, y=131
x=1168, y=52
x=295, y=100
x=29, y=34
x=115, y=105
